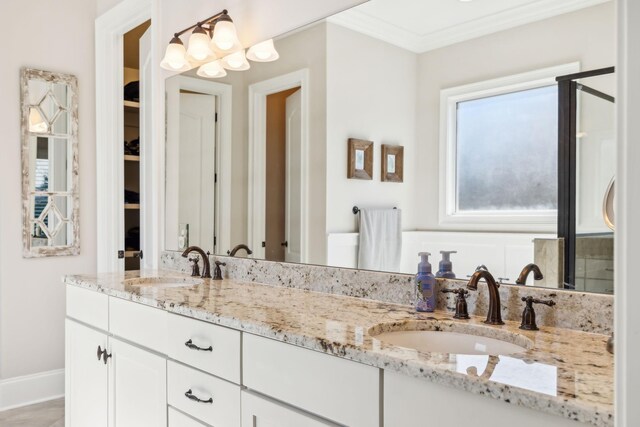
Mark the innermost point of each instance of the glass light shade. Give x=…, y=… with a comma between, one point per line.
x=263, y=52
x=212, y=70
x=236, y=61
x=224, y=36
x=199, y=49
x=175, y=58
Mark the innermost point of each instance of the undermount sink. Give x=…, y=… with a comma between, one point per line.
x=163, y=282
x=449, y=337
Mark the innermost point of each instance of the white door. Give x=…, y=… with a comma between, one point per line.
x=260, y=412
x=147, y=165
x=293, y=220
x=137, y=387
x=86, y=376
x=196, y=181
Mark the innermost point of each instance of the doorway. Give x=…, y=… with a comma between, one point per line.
x=283, y=167
x=278, y=168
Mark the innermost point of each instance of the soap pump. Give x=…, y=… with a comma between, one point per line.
x=425, y=283
x=445, y=266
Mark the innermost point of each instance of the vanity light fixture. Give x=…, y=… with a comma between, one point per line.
x=213, y=47
x=236, y=61
x=199, y=50
x=212, y=70
x=263, y=52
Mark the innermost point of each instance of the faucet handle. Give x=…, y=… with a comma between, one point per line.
x=529, y=314
x=461, y=302
x=217, y=273
x=195, y=268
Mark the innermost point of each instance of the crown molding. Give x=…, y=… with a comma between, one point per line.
x=378, y=28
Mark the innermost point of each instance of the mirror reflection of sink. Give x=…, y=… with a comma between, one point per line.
x=163, y=282
x=453, y=338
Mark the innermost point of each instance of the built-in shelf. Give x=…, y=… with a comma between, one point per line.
x=132, y=205
x=131, y=105
x=130, y=158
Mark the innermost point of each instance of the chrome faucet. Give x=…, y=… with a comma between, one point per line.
x=494, y=317
x=537, y=274
x=233, y=251
x=206, y=271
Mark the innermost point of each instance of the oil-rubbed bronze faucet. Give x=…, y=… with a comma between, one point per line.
x=494, y=317
x=217, y=272
x=461, y=302
x=233, y=251
x=529, y=315
x=206, y=271
x=537, y=274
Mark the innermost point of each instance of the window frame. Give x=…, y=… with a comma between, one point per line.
x=449, y=216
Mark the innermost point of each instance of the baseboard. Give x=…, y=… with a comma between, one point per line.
x=30, y=389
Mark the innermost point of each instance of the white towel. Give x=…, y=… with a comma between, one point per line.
x=380, y=241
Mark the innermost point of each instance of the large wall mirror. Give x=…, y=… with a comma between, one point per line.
x=50, y=202
x=261, y=157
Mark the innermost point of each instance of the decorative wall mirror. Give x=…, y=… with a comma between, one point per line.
x=49, y=103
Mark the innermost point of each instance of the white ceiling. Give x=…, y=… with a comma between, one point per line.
x=422, y=25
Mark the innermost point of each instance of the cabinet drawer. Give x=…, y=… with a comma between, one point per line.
x=333, y=388
x=223, y=358
x=259, y=411
x=223, y=410
x=145, y=326
x=88, y=306
x=178, y=419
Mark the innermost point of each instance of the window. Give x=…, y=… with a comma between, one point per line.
x=499, y=152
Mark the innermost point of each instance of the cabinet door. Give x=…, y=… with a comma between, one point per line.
x=137, y=387
x=260, y=412
x=85, y=376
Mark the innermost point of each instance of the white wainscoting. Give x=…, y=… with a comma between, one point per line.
x=504, y=254
x=29, y=389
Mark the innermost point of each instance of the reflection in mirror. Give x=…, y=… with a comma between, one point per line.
x=49, y=159
x=476, y=118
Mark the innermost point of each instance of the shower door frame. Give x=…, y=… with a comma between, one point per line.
x=567, y=170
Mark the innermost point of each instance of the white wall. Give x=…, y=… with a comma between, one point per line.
x=32, y=298
x=587, y=36
x=627, y=249
x=371, y=95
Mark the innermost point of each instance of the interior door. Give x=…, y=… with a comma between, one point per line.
x=137, y=387
x=85, y=384
x=197, y=168
x=293, y=220
x=146, y=144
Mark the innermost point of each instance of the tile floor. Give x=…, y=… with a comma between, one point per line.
x=45, y=414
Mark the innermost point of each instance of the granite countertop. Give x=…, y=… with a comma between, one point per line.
x=562, y=372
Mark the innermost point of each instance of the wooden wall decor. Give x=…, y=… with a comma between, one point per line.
x=360, y=159
x=392, y=162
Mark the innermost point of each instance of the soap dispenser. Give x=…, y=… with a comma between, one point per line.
x=425, y=284
x=445, y=266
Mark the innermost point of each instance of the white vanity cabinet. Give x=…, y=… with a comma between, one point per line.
x=260, y=411
x=109, y=383
x=137, y=386
x=415, y=402
x=86, y=376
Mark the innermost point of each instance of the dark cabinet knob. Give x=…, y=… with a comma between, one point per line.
x=105, y=357
x=284, y=244
x=100, y=352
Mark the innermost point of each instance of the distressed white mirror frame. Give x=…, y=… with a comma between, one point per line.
x=67, y=217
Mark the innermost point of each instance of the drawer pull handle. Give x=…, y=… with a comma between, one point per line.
x=193, y=397
x=100, y=352
x=192, y=346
